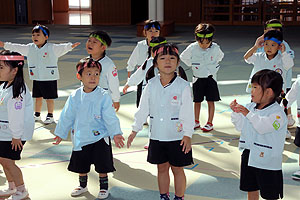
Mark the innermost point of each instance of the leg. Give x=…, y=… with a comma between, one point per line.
x=163, y=177
x=197, y=107
x=179, y=180
x=103, y=180
x=50, y=105
x=12, y=171
x=211, y=111
x=253, y=195
x=38, y=104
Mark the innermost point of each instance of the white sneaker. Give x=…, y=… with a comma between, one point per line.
x=296, y=175
x=78, y=191
x=197, y=125
x=37, y=118
x=291, y=120
x=19, y=195
x=49, y=120
x=103, y=194
x=7, y=192
x=288, y=135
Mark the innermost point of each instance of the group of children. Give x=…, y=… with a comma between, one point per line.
x=90, y=111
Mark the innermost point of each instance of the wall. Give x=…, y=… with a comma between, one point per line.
x=7, y=12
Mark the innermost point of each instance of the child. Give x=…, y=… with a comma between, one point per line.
x=263, y=126
x=167, y=99
x=89, y=113
x=17, y=122
x=96, y=45
x=275, y=24
x=139, y=54
x=204, y=57
x=42, y=60
x=292, y=96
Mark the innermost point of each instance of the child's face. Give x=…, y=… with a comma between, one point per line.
x=260, y=97
x=90, y=78
x=94, y=47
x=151, y=33
x=6, y=73
x=204, y=44
x=39, y=38
x=271, y=47
x=167, y=64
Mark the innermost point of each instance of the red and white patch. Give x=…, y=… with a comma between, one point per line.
x=174, y=101
x=274, y=66
x=115, y=72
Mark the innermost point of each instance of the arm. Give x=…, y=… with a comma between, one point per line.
x=186, y=56
x=132, y=61
x=61, y=49
x=252, y=50
x=21, y=48
x=292, y=95
x=137, y=77
x=113, y=86
x=236, y=118
x=287, y=60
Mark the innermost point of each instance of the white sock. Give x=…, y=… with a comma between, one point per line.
x=11, y=185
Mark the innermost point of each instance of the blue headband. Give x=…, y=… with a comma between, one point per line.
x=273, y=39
x=41, y=28
x=148, y=26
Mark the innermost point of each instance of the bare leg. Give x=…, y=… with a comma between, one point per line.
x=163, y=177
x=50, y=105
x=12, y=172
x=38, y=104
x=253, y=195
x=197, y=107
x=211, y=111
x=179, y=180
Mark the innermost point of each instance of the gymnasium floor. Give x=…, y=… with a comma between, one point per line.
x=215, y=173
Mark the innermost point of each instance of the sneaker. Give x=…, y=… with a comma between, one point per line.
x=7, y=192
x=78, y=191
x=19, y=195
x=288, y=135
x=49, y=120
x=146, y=145
x=103, y=194
x=208, y=127
x=296, y=175
x=197, y=125
x=37, y=118
x=291, y=120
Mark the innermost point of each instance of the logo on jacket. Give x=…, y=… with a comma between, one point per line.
x=96, y=133
x=279, y=71
x=175, y=100
x=115, y=72
x=45, y=54
x=179, y=126
x=18, y=105
x=52, y=72
x=261, y=154
x=31, y=72
x=276, y=125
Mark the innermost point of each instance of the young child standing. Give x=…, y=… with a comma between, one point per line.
x=171, y=121
x=204, y=57
x=263, y=126
x=42, y=60
x=139, y=54
x=92, y=118
x=96, y=46
x=16, y=121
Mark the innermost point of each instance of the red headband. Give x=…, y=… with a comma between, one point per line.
x=161, y=49
x=80, y=67
x=11, y=57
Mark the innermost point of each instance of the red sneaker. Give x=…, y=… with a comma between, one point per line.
x=208, y=127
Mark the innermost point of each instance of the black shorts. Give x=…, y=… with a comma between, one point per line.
x=268, y=182
x=98, y=153
x=45, y=89
x=206, y=87
x=160, y=152
x=7, y=152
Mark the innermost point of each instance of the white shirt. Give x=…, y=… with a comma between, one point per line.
x=42, y=62
x=138, y=56
x=294, y=95
x=170, y=109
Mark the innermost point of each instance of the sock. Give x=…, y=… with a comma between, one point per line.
x=83, y=181
x=21, y=188
x=165, y=196
x=11, y=185
x=178, y=198
x=50, y=115
x=37, y=114
x=103, y=183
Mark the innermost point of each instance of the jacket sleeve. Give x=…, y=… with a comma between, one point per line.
x=132, y=61
x=21, y=48
x=292, y=95
x=252, y=59
x=238, y=120
x=137, y=77
x=113, y=84
x=219, y=55
x=61, y=49
x=186, y=56
x=287, y=61
x=186, y=113
x=16, y=114
x=66, y=119
x=289, y=50
x=143, y=111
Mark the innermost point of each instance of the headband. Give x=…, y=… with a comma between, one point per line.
x=204, y=35
x=152, y=44
x=275, y=25
x=41, y=28
x=80, y=67
x=98, y=38
x=152, y=25
x=161, y=49
x=273, y=39
x=11, y=57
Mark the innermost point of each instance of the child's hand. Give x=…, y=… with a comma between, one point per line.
x=116, y=106
x=58, y=140
x=282, y=48
x=241, y=109
x=119, y=141
x=259, y=41
x=1, y=44
x=130, y=138
x=125, y=89
x=16, y=144
x=75, y=44
x=233, y=105
x=186, y=143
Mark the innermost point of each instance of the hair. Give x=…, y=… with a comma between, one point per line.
x=274, y=34
x=104, y=36
x=18, y=84
x=204, y=29
x=168, y=49
x=273, y=21
x=269, y=79
x=37, y=29
x=151, y=23
x=89, y=63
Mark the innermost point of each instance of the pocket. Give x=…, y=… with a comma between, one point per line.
x=261, y=153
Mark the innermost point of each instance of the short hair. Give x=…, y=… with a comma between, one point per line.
x=89, y=63
x=103, y=35
x=274, y=34
x=43, y=28
x=273, y=21
x=204, y=29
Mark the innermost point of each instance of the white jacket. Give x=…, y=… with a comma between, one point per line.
x=138, y=56
x=294, y=95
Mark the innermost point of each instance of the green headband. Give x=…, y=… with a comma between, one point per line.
x=204, y=35
x=98, y=38
x=275, y=25
x=155, y=44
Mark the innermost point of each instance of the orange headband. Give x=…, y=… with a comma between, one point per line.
x=11, y=57
x=80, y=67
x=161, y=49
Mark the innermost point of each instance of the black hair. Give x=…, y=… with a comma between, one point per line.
x=204, y=29
x=170, y=49
x=89, y=63
x=18, y=84
x=43, y=28
x=273, y=21
x=151, y=23
x=274, y=34
x=104, y=36
x=269, y=79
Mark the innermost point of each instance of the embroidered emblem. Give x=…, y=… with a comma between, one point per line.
x=96, y=133
x=261, y=154
x=115, y=72
x=276, y=125
x=45, y=54
x=277, y=117
x=18, y=105
x=278, y=70
x=174, y=100
x=196, y=67
x=249, y=86
x=31, y=73
x=52, y=72
x=274, y=66
x=179, y=126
